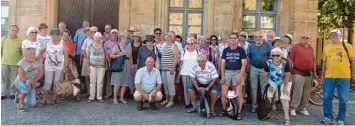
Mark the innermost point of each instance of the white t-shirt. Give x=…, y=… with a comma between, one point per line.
x=189, y=59
x=29, y=44
x=43, y=39
x=87, y=42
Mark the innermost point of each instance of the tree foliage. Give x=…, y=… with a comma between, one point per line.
x=336, y=14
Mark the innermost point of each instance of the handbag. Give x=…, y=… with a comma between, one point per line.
x=116, y=64
x=64, y=86
x=304, y=72
x=264, y=107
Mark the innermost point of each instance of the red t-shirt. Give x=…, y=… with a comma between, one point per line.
x=71, y=47
x=302, y=58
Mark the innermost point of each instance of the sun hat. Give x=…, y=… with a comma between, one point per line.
x=132, y=29
x=289, y=36
x=136, y=34
x=148, y=38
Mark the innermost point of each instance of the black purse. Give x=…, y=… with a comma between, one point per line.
x=265, y=107
x=117, y=63
x=304, y=72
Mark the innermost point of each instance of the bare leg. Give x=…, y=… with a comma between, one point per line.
x=213, y=100
x=223, y=95
x=22, y=98
x=240, y=97
x=123, y=91
x=115, y=91
x=286, y=107
x=44, y=98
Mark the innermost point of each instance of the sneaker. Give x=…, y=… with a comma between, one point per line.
x=340, y=123
x=287, y=122
x=273, y=108
x=21, y=108
x=164, y=103
x=304, y=112
x=327, y=121
x=17, y=99
x=12, y=97
x=169, y=105
x=89, y=101
x=253, y=110
x=293, y=113
x=140, y=106
x=153, y=106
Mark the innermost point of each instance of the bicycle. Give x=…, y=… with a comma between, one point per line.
x=316, y=96
x=351, y=88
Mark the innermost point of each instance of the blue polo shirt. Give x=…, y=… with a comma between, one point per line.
x=78, y=38
x=259, y=54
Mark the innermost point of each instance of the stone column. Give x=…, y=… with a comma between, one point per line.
x=208, y=15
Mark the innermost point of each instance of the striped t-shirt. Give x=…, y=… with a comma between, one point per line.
x=204, y=76
x=167, y=56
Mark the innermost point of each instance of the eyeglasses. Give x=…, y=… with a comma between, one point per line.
x=243, y=35
x=305, y=37
x=190, y=43
x=233, y=38
x=158, y=33
x=34, y=32
x=93, y=31
x=275, y=55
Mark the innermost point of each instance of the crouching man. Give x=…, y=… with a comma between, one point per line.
x=148, y=84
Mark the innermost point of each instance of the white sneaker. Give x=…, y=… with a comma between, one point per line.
x=304, y=112
x=273, y=108
x=169, y=105
x=164, y=103
x=293, y=112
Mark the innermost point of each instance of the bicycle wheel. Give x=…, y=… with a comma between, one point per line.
x=316, y=96
x=352, y=87
x=335, y=93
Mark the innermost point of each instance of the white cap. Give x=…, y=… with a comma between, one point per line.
x=335, y=31
x=114, y=30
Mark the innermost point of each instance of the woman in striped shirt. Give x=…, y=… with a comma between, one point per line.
x=169, y=58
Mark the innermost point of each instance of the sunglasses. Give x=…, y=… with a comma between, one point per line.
x=93, y=31
x=34, y=32
x=243, y=35
x=190, y=43
x=158, y=33
x=305, y=37
x=275, y=55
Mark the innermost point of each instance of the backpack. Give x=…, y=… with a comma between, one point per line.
x=202, y=107
x=264, y=107
x=231, y=105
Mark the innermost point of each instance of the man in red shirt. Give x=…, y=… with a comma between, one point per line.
x=302, y=61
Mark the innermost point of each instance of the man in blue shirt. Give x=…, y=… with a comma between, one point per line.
x=233, y=64
x=148, y=84
x=78, y=38
x=259, y=53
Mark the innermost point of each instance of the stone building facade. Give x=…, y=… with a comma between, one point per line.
x=218, y=16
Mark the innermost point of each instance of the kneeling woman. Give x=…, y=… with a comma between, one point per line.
x=277, y=72
x=30, y=71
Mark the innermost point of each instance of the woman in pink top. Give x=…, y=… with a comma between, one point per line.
x=109, y=45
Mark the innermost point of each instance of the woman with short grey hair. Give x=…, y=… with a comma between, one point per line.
x=55, y=63
x=31, y=41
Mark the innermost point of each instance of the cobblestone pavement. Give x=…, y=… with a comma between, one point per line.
x=71, y=112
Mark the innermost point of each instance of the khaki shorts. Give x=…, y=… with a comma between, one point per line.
x=231, y=77
x=84, y=68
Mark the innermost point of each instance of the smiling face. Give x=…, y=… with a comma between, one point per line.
x=13, y=31
x=33, y=35
x=65, y=36
x=149, y=63
x=277, y=56
x=259, y=37
x=305, y=38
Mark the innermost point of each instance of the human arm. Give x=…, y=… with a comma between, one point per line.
x=41, y=51
x=176, y=57
x=266, y=76
x=66, y=52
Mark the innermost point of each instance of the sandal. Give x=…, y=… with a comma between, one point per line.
x=193, y=110
x=222, y=113
x=43, y=103
x=78, y=98
x=213, y=113
x=115, y=101
x=62, y=97
x=54, y=103
x=239, y=116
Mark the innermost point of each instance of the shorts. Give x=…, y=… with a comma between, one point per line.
x=283, y=96
x=192, y=87
x=22, y=87
x=84, y=68
x=231, y=77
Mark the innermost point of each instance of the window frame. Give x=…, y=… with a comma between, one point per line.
x=185, y=10
x=259, y=12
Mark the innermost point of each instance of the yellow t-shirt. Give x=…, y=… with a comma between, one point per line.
x=337, y=62
x=11, y=51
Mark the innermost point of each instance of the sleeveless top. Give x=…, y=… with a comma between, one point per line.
x=167, y=56
x=135, y=51
x=54, y=57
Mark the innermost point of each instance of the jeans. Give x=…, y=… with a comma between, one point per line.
x=342, y=85
x=30, y=99
x=8, y=76
x=255, y=75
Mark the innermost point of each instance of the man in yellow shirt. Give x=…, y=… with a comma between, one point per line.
x=10, y=55
x=337, y=60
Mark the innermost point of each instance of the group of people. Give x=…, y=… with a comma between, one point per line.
x=153, y=64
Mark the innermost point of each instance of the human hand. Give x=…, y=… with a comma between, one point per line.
x=285, y=91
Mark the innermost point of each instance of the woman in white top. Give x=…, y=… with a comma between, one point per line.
x=188, y=59
x=55, y=64
x=31, y=41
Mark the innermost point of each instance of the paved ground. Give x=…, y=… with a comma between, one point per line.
x=70, y=112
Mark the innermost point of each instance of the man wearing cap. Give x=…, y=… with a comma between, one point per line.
x=337, y=59
x=85, y=67
x=131, y=30
x=303, y=65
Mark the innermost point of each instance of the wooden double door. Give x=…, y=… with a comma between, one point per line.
x=97, y=12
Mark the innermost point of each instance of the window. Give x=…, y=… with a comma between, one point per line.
x=185, y=17
x=4, y=17
x=259, y=15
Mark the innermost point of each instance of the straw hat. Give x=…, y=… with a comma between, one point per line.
x=132, y=29
x=136, y=34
